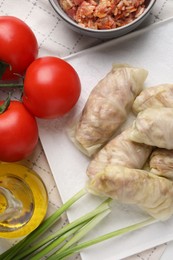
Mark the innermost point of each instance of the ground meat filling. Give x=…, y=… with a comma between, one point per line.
x=103, y=14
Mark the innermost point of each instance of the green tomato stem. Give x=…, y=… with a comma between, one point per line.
x=6, y=84
x=5, y=104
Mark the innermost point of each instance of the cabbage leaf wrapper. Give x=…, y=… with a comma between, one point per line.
x=119, y=151
x=107, y=107
x=156, y=96
x=154, y=126
x=161, y=163
x=151, y=193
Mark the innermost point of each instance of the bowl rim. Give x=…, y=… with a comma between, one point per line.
x=65, y=17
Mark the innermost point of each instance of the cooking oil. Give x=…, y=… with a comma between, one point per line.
x=23, y=200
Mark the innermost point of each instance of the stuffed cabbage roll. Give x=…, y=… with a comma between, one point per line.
x=151, y=193
x=154, y=126
x=119, y=151
x=161, y=163
x=107, y=107
x=158, y=96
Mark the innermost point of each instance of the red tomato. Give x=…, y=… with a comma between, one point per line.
x=19, y=46
x=51, y=87
x=18, y=133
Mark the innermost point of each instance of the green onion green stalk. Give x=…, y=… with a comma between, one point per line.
x=76, y=249
x=66, y=241
x=50, y=221
x=57, y=235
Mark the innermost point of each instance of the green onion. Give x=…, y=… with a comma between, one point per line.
x=87, y=217
x=23, y=244
x=81, y=233
x=76, y=249
x=33, y=250
x=63, y=243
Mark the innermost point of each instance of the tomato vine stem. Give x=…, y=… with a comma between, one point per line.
x=11, y=84
x=5, y=104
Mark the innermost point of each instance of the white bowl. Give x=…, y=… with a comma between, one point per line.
x=106, y=33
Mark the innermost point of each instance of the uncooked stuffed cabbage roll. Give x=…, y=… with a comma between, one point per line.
x=161, y=163
x=107, y=107
x=151, y=193
x=158, y=96
x=119, y=151
x=154, y=126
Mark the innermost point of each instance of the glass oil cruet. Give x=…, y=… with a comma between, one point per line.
x=23, y=200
